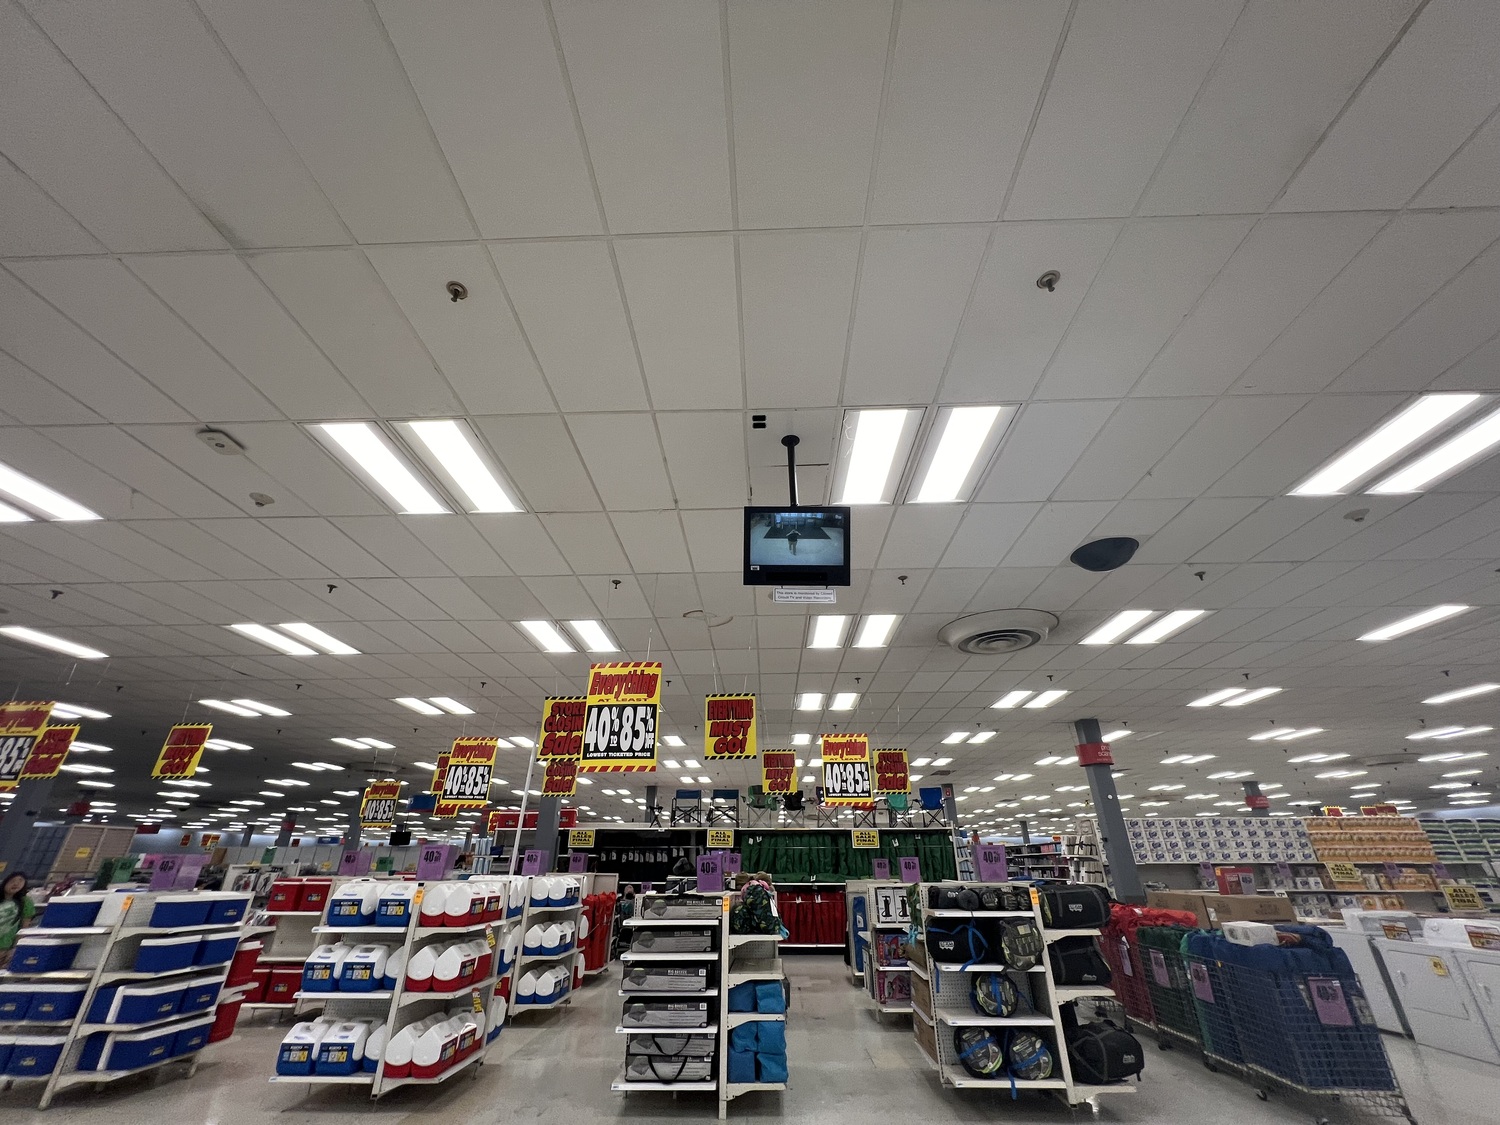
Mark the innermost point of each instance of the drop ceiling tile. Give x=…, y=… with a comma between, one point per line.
x=1011, y=327
x=1120, y=88
x=339, y=300
x=587, y=540
x=912, y=290
x=1404, y=265
x=1199, y=524
x=34, y=401
x=1285, y=72
x=200, y=547
x=1402, y=126
x=329, y=75
x=491, y=83
x=32, y=223
x=653, y=541
x=1056, y=530
x=513, y=601
x=401, y=542
x=807, y=83
x=797, y=293
x=986, y=533
x=1154, y=276
x=151, y=478
x=564, y=599
x=263, y=545
x=684, y=306
x=1040, y=448
x=1471, y=178
x=538, y=455
x=949, y=591
x=1227, y=432
x=110, y=303
x=1410, y=522
x=453, y=597
x=40, y=337
x=624, y=457
x=648, y=76
x=476, y=343
x=1282, y=265
x=325, y=542
x=706, y=458
x=1259, y=531
x=39, y=548
x=103, y=176
x=226, y=303
x=919, y=535
x=1475, y=372
x=1135, y=438
x=302, y=468
x=125, y=542
x=1010, y=586
x=1452, y=538
x=570, y=308
x=964, y=81
x=522, y=542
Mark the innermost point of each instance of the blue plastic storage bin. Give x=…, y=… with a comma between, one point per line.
x=33, y=1056
x=192, y=1037
x=71, y=910
x=15, y=1001
x=135, y=1003
x=215, y=949
x=199, y=995
x=127, y=1050
x=171, y=911
x=227, y=908
x=53, y=1002
x=92, y=1054
x=6, y=1042
x=44, y=954
x=167, y=954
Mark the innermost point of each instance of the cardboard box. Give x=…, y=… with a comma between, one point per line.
x=1212, y=909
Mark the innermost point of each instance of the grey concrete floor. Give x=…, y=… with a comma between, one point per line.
x=846, y=1066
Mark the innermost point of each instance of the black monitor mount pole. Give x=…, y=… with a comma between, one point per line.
x=790, y=441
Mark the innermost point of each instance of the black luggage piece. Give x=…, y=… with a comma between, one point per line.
x=1074, y=906
x=963, y=941
x=1101, y=1053
x=1076, y=961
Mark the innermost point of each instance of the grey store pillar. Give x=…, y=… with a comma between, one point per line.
x=546, y=828
x=245, y=837
x=1256, y=801
x=355, y=830
x=1098, y=767
x=288, y=826
x=30, y=801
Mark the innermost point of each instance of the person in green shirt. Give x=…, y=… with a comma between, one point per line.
x=16, y=910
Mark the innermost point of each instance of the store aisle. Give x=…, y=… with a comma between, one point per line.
x=846, y=1067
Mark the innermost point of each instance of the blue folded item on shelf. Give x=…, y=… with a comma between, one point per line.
x=770, y=1067
x=741, y=1066
x=769, y=996
x=742, y=1038
x=772, y=1037
x=742, y=997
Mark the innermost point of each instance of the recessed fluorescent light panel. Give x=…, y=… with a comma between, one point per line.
x=1446, y=697
x=1389, y=441
x=317, y=638
x=56, y=644
x=826, y=630
x=1214, y=698
x=956, y=737
x=1253, y=696
x=1416, y=621
x=875, y=630
x=260, y=708
x=958, y=448
x=1235, y=697
x=1456, y=453
x=1011, y=699
x=1045, y=699
x=546, y=635
x=453, y=451
x=367, y=452
x=810, y=701
x=1164, y=627
x=593, y=636
x=231, y=708
x=873, y=446
x=1117, y=626
x=843, y=701
x=420, y=706
x=76, y=711
x=40, y=499
x=272, y=639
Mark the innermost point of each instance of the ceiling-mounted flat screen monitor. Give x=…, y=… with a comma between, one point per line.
x=796, y=546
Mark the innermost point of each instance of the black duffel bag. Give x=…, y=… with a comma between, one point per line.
x=1101, y=1053
x=1076, y=961
x=1074, y=906
x=963, y=941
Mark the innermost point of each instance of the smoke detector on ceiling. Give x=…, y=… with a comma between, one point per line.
x=998, y=631
x=220, y=442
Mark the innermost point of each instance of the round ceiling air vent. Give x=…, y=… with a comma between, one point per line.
x=998, y=631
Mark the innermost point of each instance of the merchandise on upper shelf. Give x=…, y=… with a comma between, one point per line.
x=1219, y=839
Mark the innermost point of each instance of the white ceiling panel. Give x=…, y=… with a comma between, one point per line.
x=538, y=456
x=1283, y=264
x=325, y=542
x=1040, y=448
x=797, y=293
x=563, y=597
x=491, y=83
x=151, y=478
x=340, y=301
x=522, y=542
x=163, y=71
x=1457, y=319
x=303, y=468
x=648, y=76
x=1286, y=71
x=1222, y=436
x=1011, y=326
x=1056, y=530
x=191, y=542
x=1326, y=526
x=401, y=542
x=964, y=81
x=569, y=303
x=1472, y=177
x=1135, y=438
x=653, y=541
x=1199, y=524
x=227, y=304
x=684, y=305
x=462, y=549
x=454, y=597
x=476, y=342
x=706, y=458
x=32, y=223
x=1153, y=277
x=1126, y=76
x=233, y=478
x=273, y=552
x=913, y=286
x=1401, y=127
x=1478, y=371
x=112, y=305
x=1404, y=265
x=588, y=539
x=919, y=535
x=715, y=539
x=1451, y=537
x=328, y=73
x=986, y=533
x=513, y=601
x=1259, y=531
x=624, y=457
x=806, y=82
x=32, y=400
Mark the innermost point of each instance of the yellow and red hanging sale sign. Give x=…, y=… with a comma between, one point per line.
x=562, y=728
x=846, y=747
x=778, y=771
x=621, y=709
x=892, y=774
x=21, y=725
x=471, y=765
x=560, y=778
x=729, y=727
x=377, y=809
x=180, y=753
x=439, y=772
x=49, y=752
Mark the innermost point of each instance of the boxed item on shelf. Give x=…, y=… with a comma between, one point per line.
x=662, y=939
x=669, y=1068
x=299, y=1048
x=664, y=978
x=341, y=1050
x=687, y=907
x=43, y=1003
x=215, y=949
x=199, y=994
x=127, y=1050
x=1212, y=910
x=665, y=1013
x=657, y=1043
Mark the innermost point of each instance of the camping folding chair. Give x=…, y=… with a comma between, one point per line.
x=898, y=810
x=724, y=807
x=687, y=807
x=794, y=810
x=933, y=812
x=760, y=808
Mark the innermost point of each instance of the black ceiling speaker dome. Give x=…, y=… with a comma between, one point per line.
x=1105, y=554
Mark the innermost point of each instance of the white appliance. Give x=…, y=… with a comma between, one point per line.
x=1372, y=978
x=1435, y=996
x=1481, y=968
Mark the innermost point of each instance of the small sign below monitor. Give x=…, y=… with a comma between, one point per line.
x=782, y=595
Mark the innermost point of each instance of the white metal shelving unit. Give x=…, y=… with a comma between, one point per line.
x=951, y=1008
x=745, y=958
x=888, y=913
x=546, y=916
